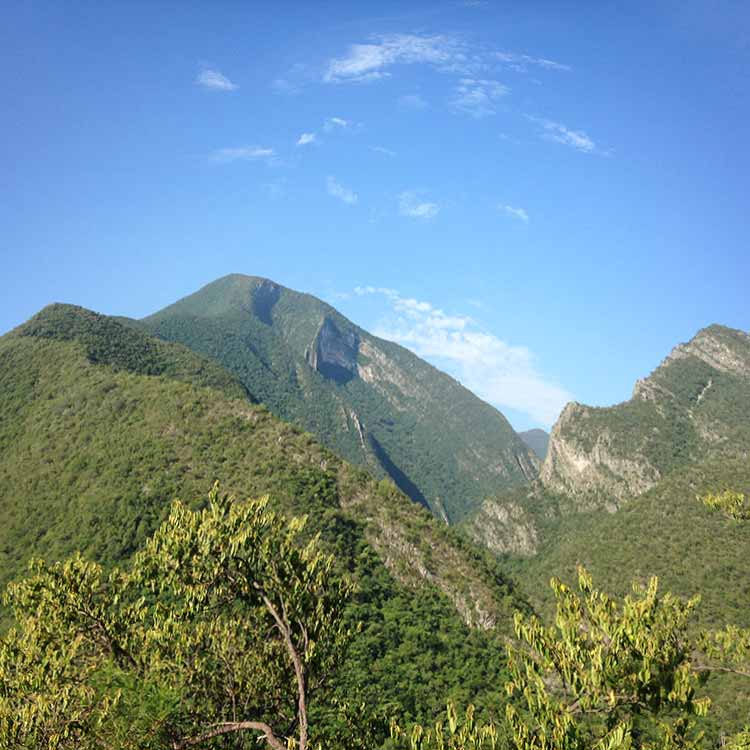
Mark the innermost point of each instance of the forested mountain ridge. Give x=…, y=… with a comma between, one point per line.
x=80, y=426
x=102, y=426
x=371, y=401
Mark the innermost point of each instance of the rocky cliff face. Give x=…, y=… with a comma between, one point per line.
x=592, y=468
x=685, y=411
x=693, y=408
x=333, y=353
x=505, y=527
x=723, y=349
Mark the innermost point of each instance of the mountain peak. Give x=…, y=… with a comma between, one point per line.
x=724, y=349
x=682, y=412
x=372, y=401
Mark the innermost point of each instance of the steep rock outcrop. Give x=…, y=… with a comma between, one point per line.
x=692, y=407
x=333, y=353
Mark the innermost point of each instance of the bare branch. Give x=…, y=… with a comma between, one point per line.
x=230, y=727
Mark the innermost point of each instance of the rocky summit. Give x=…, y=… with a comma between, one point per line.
x=689, y=409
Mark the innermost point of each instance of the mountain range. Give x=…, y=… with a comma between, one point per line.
x=692, y=409
x=447, y=518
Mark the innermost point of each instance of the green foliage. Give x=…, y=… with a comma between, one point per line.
x=666, y=533
x=454, y=732
x=108, y=341
x=727, y=649
x=49, y=661
x=91, y=456
x=607, y=675
x=730, y=503
x=226, y=608
x=740, y=741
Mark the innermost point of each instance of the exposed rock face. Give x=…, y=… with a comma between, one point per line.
x=333, y=353
x=683, y=412
x=724, y=349
x=391, y=381
x=504, y=527
x=413, y=562
x=599, y=476
x=527, y=462
x=264, y=297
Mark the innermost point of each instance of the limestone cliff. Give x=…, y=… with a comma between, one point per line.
x=333, y=353
x=693, y=406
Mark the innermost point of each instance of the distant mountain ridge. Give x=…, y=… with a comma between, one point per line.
x=537, y=440
x=371, y=401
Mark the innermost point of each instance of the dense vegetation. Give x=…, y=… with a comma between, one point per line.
x=227, y=627
x=91, y=455
x=102, y=425
x=372, y=402
x=669, y=533
x=106, y=341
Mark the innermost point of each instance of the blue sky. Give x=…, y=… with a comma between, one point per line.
x=540, y=197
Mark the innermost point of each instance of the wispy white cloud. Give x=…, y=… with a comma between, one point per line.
x=446, y=53
x=476, y=97
x=559, y=133
x=412, y=101
x=517, y=213
x=382, y=150
x=215, y=80
x=505, y=375
x=521, y=63
x=242, y=153
x=306, y=138
x=369, y=62
x=337, y=190
x=410, y=205
x=332, y=123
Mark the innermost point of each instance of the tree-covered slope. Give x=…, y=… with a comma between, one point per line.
x=665, y=532
x=369, y=400
x=93, y=448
